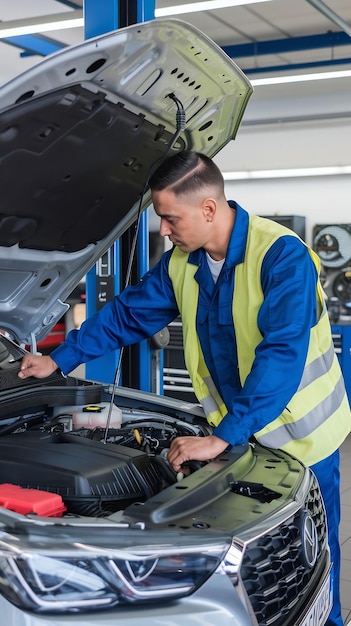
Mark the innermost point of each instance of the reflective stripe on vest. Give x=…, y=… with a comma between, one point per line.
x=299, y=429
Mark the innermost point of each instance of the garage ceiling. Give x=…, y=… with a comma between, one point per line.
x=265, y=38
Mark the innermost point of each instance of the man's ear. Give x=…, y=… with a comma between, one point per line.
x=209, y=206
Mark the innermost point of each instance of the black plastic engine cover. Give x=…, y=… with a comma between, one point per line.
x=92, y=477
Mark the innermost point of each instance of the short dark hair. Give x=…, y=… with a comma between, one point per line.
x=186, y=172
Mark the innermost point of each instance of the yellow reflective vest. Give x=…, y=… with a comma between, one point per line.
x=317, y=418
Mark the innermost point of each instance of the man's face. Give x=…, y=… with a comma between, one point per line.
x=184, y=219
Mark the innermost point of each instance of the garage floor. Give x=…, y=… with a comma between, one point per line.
x=345, y=530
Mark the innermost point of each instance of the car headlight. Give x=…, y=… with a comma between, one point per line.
x=80, y=577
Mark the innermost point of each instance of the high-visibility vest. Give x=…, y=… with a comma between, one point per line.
x=317, y=418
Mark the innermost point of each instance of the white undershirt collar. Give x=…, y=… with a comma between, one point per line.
x=215, y=266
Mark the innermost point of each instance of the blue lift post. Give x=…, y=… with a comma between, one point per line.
x=103, y=282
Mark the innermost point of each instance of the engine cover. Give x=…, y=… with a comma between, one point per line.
x=92, y=477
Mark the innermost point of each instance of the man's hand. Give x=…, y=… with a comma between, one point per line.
x=36, y=365
x=194, y=449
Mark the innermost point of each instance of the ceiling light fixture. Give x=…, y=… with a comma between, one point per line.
x=43, y=24
x=75, y=19
x=299, y=78
x=210, y=5
x=337, y=170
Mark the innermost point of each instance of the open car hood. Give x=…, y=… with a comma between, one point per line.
x=79, y=133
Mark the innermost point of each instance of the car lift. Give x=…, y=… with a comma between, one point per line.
x=141, y=367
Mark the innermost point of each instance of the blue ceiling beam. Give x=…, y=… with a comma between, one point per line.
x=39, y=44
x=297, y=66
x=288, y=44
x=35, y=44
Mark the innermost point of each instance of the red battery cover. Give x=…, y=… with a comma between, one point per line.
x=25, y=501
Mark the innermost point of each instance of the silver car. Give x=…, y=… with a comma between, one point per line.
x=95, y=527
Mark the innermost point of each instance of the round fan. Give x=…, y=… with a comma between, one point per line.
x=342, y=286
x=333, y=245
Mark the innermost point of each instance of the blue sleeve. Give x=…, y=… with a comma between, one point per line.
x=286, y=316
x=137, y=313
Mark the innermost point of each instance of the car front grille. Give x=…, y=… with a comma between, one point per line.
x=273, y=571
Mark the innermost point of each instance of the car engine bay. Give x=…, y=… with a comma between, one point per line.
x=65, y=436
x=94, y=477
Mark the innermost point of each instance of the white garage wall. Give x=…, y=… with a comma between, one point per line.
x=324, y=200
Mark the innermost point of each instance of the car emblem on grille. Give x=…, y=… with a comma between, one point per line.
x=309, y=541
